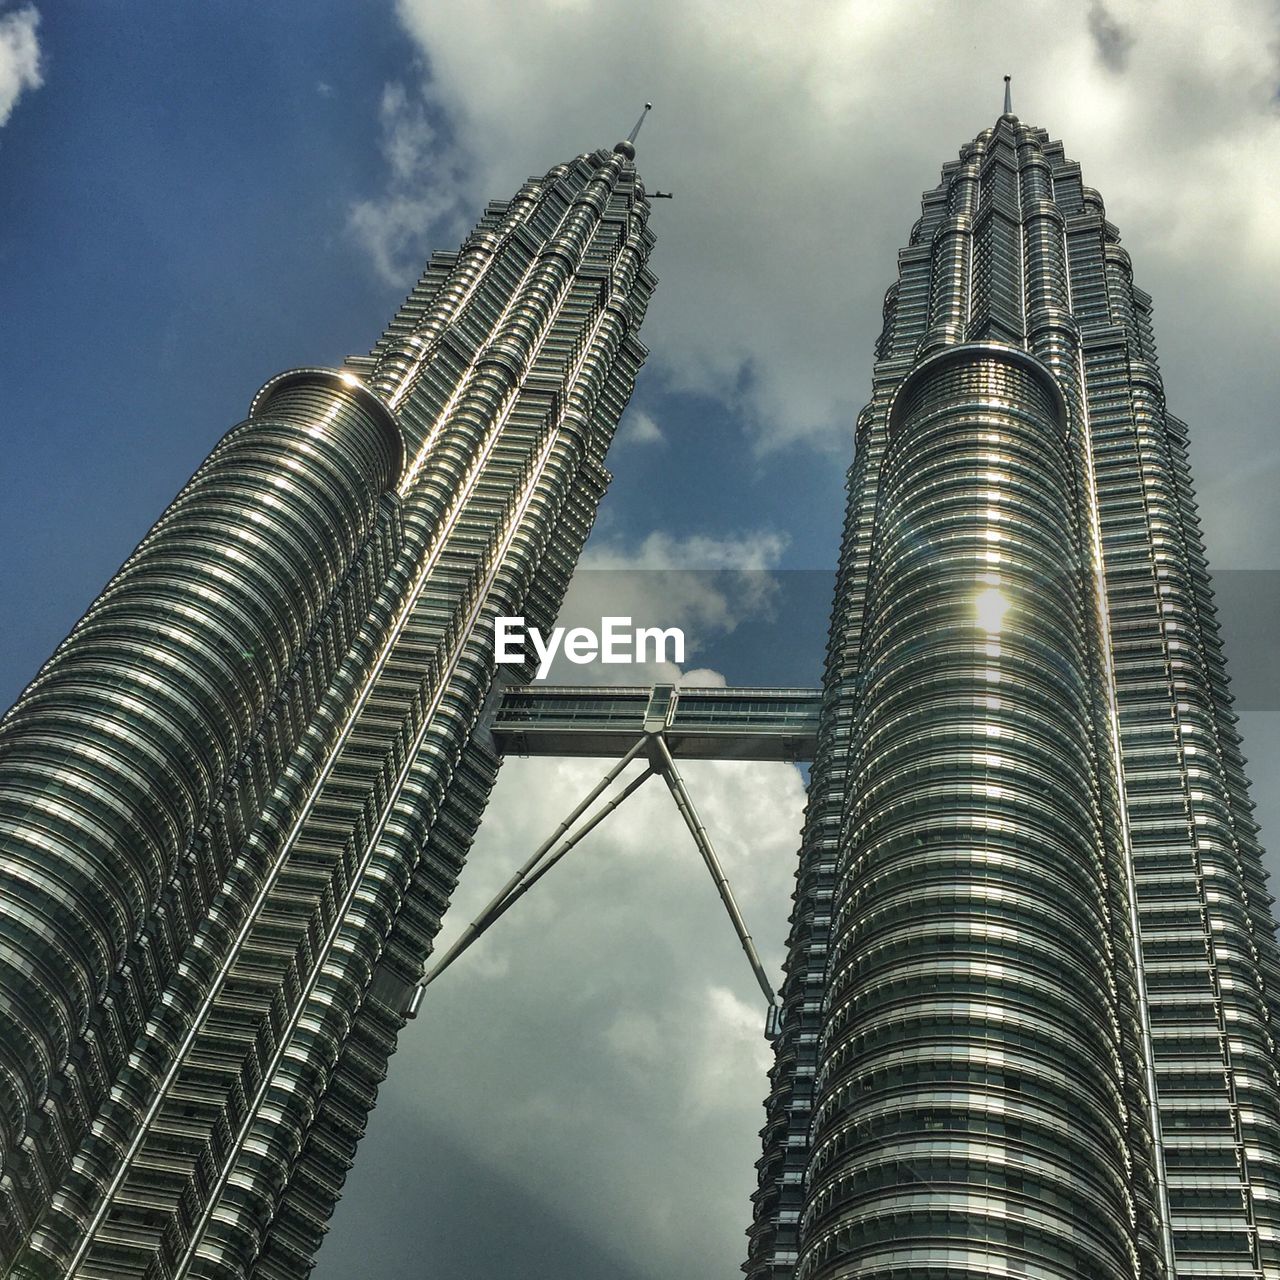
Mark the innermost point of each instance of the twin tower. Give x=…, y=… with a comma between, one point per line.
x=1027, y=1024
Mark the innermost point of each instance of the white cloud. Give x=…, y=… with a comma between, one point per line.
x=639, y=427
x=708, y=587
x=757, y=549
x=702, y=678
x=608, y=1026
x=20, y=67
x=421, y=200
x=728, y=1039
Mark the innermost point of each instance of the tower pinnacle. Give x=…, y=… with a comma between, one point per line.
x=627, y=147
x=1008, y=97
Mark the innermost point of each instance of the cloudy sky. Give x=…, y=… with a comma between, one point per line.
x=196, y=197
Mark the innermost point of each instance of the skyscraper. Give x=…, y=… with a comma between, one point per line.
x=1032, y=979
x=234, y=802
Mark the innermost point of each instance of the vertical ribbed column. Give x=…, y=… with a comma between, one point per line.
x=439, y=473
x=912, y=305
x=450, y=281
x=1206, y=936
x=996, y=299
x=952, y=250
x=1054, y=337
x=114, y=755
x=970, y=1112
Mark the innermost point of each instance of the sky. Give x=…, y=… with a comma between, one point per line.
x=194, y=198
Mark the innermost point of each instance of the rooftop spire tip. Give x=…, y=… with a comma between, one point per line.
x=1008, y=97
x=627, y=147
x=631, y=137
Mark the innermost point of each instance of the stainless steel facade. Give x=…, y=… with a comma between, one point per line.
x=234, y=803
x=1031, y=987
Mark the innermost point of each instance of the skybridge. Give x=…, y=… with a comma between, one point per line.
x=652, y=726
x=698, y=724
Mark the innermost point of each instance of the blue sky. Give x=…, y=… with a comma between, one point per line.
x=196, y=197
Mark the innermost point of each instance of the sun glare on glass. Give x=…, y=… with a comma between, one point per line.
x=991, y=606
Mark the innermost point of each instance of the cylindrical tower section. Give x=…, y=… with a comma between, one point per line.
x=969, y=1118
x=113, y=756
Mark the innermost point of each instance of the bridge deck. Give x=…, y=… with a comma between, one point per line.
x=698, y=724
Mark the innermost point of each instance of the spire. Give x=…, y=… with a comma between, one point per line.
x=635, y=129
x=628, y=146
x=1008, y=98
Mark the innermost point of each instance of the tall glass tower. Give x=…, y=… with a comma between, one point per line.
x=1032, y=982
x=235, y=801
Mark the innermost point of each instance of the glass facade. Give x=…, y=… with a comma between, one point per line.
x=1028, y=1011
x=236, y=800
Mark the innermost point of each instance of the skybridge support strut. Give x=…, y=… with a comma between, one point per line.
x=666, y=765
x=513, y=888
x=660, y=760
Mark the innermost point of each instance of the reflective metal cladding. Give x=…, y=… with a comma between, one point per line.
x=1032, y=974
x=235, y=801
x=1027, y=1023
